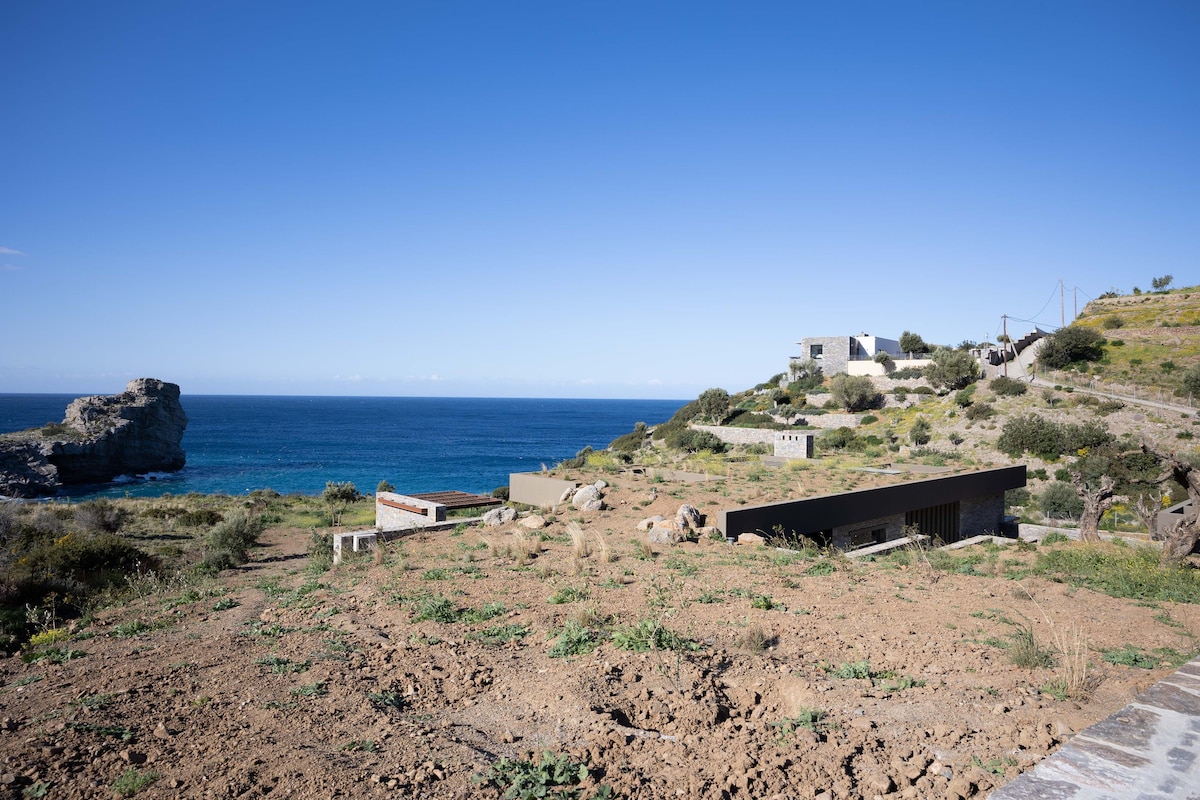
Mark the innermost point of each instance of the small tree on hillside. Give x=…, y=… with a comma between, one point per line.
x=952, y=369
x=1069, y=345
x=713, y=405
x=339, y=497
x=920, y=432
x=854, y=392
x=1191, y=381
x=912, y=343
x=805, y=375
x=1162, y=283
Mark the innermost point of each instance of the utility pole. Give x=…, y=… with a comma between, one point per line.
x=1062, y=301
x=1006, y=344
x=1075, y=293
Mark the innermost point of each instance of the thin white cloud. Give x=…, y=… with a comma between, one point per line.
x=8, y=251
x=654, y=382
x=586, y=381
x=10, y=268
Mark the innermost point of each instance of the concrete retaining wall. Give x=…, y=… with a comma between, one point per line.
x=533, y=489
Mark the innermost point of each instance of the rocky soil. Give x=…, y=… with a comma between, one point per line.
x=807, y=676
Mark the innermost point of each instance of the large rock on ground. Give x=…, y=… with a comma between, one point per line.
x=499, y=516
x=588, y=498
x=101, y=437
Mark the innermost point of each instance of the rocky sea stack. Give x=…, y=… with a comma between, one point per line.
x=101, y=437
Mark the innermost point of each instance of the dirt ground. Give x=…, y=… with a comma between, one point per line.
x=275, y=680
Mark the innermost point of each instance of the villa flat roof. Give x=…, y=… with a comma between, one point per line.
x=824, y=512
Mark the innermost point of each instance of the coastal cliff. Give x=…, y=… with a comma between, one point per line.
x=101, y=437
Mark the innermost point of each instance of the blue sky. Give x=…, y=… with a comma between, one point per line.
x=570, y=199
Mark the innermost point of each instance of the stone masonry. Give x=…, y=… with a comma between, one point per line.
x=1146, y=751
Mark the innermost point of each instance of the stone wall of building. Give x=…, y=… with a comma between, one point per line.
x=847, y=537
x=793, y=445
x=390, y=518
x=980, y=515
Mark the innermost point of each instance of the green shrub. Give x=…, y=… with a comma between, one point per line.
x=235, y=535
x=525, y=780
x=573, y=640
x=920, y=432
x=842, y=438
x=132, y=781
x=979, y=411
x=1191, y=380
x=868, y=419
x=1048, y=439
x=99, y=516
x=1060, y=500
x=650, y=634
x=201, y=518
x=693, y=441
x=1017, y=497
x=1007, y=387
x=854, y=392
x=1071, y=345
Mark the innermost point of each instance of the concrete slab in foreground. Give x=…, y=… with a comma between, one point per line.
x=1149, y=750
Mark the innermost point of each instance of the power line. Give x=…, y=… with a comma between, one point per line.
x=1049, y=300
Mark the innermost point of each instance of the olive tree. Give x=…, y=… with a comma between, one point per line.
x=713, y=405
x=854, y=392
x=913, y=343
x=339, y=496
x=1181, y=538
x=952, y=369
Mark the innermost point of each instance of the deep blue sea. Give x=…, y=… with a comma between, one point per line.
x=236, y=444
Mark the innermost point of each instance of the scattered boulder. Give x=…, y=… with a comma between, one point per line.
x=750, y=538
x=665, y=534
x=689, y=518
x=499, y=516
x=649, y=522
x=601, y=485
x=588, y=498
x=566, y=495
x=533, y=522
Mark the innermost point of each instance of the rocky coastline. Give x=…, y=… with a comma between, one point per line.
x=101, y=437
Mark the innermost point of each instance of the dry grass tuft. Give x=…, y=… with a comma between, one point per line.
x=603, y=551
x=579, y=540
x=1072, y=645
x=754, y=639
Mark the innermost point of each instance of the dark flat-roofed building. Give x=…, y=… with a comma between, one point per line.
x=950, y=508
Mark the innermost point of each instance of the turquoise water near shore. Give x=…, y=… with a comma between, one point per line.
x=236, y=444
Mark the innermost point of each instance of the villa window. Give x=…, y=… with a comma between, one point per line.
x=816, y=351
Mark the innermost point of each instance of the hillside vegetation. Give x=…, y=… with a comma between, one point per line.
x=1152, y=341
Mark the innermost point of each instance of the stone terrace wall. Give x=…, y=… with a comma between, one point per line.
x=738, y=435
